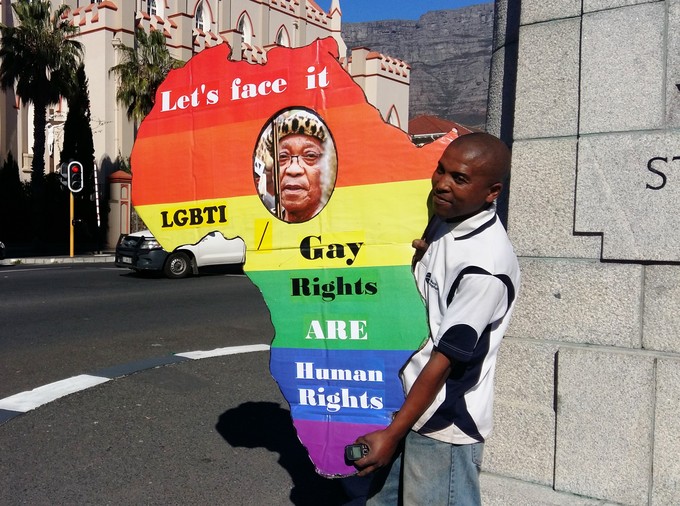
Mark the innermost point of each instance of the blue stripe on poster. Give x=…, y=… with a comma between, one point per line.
x=340, y=385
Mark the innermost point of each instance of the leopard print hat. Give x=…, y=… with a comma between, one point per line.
x=302, y=122
x=296, y=121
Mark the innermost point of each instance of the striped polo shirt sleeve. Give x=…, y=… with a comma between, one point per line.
x=475, y=298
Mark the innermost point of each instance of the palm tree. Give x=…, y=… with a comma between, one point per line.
x=141, y=71
x=39, y=60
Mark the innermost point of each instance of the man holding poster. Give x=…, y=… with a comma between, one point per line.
x=279, y=155
x=468, y=276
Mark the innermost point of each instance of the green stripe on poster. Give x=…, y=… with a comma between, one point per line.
x=372, y=308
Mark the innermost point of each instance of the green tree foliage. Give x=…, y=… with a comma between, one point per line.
x=79, y=146
x=38, y=60
x=123, y=163
x=57, y=216
x=141, y=71
x=14, y=203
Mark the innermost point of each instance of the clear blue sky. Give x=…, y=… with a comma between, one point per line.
x=372, y=10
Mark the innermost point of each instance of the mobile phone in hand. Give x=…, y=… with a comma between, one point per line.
x=355, y=451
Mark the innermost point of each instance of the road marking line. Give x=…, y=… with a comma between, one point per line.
x=26, y=401
x=23, y=402
x=219, y=352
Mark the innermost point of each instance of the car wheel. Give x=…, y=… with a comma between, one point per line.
x=177, y=265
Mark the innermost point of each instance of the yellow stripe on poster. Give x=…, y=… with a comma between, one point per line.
x=397, y=214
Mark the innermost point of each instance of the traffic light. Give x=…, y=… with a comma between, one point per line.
x=75, y=176
x=63, y=174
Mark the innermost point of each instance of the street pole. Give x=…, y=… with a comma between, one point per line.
x=75, y=182
x=96, y=203
x=72, y=218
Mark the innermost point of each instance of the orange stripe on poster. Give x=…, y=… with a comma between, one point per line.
x=217, y=162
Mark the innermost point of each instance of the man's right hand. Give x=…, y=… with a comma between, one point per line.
x=382, y=447
x=421, y=247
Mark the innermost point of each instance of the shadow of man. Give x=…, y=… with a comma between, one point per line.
x=267, y=425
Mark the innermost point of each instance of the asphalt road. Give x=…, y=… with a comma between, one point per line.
x=208, y=431
x=63, y=320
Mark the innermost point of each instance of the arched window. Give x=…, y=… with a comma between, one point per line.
x=201, y=20
x=245, y=28
x=393, y=117
x=282, y=38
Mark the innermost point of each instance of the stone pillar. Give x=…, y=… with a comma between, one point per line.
x=120, y=206
x=301, y=32
x=335, y=14
x=585, y=91
x=357, y=66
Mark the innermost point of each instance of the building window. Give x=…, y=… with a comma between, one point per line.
x=282, y=38
x=393, y=117
x=245, y=28
x=151, y=7
x=201, y=18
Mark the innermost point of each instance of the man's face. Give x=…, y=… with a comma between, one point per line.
x=300, y=176
x=461, y=184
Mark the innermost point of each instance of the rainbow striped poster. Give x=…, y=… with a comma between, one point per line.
x=327, y=197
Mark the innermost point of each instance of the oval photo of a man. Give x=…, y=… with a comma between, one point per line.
x=295, y=165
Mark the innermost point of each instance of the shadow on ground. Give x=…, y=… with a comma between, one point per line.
x=208, y=270
x=267, y=425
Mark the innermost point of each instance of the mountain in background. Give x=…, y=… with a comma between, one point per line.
x=449, y=53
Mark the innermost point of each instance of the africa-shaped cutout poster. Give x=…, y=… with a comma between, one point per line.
x=327, y=197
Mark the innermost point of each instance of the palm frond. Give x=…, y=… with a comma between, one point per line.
x=140, y=71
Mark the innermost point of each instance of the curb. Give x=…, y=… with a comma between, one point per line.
x=51, y=260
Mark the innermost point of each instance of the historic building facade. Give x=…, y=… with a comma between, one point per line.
x=189, y=26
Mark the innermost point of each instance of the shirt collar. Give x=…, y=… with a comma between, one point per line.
x=474, y=224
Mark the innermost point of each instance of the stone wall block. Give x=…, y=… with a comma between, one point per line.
x=500, y=491
x=666, y=487
x=627, y=190
x=536, y=11
x=547, y=80
x=579, y=301
x=604, y=424
x=541, y=210
x=600, y=5
x=505, y=24
x=661, y=327
x=522, y=444
x=622, y=85
x=494, y=108
x=673, y=65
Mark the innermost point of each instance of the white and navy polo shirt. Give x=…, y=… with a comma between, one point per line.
x=468, y=278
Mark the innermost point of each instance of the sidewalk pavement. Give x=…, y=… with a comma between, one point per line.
x=104, y=257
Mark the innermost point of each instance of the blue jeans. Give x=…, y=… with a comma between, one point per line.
x=433, y=473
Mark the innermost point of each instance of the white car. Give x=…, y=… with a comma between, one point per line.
x=140, y=251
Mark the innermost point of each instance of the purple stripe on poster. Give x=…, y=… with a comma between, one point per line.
x=326, y=442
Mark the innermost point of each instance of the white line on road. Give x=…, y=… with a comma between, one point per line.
x=219, y=352
x=31, y=399
x=26, y=401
